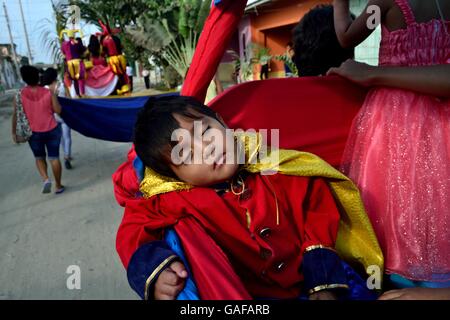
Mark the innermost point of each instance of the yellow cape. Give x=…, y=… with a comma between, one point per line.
x=356, y=241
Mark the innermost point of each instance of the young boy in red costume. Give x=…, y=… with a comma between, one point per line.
x=255, y=235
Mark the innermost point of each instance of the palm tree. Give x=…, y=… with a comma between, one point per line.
x=117, y=14
x=173, y=35
x=167, y=29
x=50, y=30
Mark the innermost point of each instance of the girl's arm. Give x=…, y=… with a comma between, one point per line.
x=54, y=92
x=55, y=103
x=431, y=80
x=351, y=32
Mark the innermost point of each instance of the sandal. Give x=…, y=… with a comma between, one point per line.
x=47, y=188
x=60, y=190
x=67, y=164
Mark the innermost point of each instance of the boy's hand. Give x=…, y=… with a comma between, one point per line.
x=170, y=282
x=323, y=295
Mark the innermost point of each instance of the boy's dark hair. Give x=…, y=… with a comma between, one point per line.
x=316, y=47
x=155, y=125
x=30, y=75
x=49, y=76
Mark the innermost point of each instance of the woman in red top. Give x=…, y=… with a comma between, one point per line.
x=39, y=104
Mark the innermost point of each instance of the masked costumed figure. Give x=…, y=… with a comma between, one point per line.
x=73, y=51
x=100, y=80
x=112, y=49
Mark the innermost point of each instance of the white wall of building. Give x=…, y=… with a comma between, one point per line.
x=7, y=75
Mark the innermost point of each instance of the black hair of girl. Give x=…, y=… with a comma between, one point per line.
x=155, y=125
x=49, y=76
x=316, y=47
x=30, y=75
x=94, y=46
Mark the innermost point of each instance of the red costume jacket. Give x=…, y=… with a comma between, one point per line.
x=110, y=46
x=263, y=233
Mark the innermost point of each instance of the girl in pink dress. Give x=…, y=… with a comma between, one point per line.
x=398, y=151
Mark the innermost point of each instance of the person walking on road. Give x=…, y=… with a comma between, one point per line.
x=39, y=104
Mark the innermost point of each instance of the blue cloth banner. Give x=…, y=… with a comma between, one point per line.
x=110, y=119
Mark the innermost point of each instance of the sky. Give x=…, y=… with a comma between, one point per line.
x=34, y=11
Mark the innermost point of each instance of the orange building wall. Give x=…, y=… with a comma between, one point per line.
x=272, y=26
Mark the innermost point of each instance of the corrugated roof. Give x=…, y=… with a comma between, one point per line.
x=254, y=3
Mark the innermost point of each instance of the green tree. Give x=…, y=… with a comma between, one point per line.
x=170, y=30
x=117, y=14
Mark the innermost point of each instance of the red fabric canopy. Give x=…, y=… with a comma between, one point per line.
x=313, y=114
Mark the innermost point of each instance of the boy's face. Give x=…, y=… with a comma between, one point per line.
x=209, y=145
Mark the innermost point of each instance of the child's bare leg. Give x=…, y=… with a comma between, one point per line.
x=41, y=164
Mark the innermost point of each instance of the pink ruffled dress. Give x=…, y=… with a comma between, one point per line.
x=398, y=154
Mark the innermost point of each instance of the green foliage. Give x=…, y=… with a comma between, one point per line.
x=287, y=60
x=244, y=68
x=192, y=16
x=171, y=31
x=202, y=15
x=171, y=77
x=156, y=37
x=117, y=14
x=259, y=52
x=168, y=30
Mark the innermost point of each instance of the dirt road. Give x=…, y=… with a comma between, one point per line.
x=42, y=235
